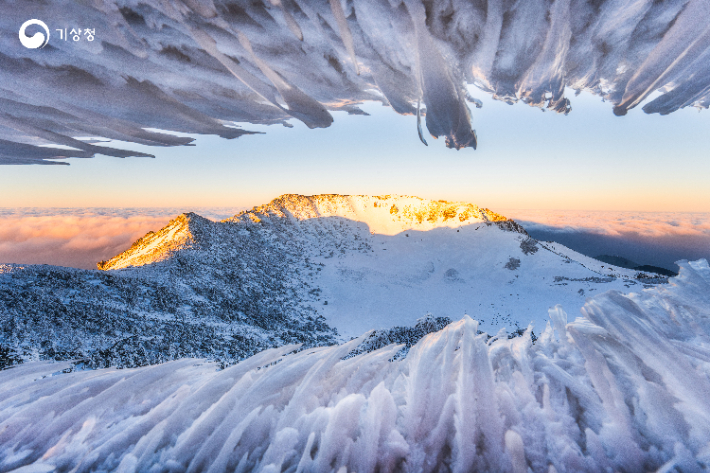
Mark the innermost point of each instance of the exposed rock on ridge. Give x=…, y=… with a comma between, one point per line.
x=383, y=214
x=179, y=233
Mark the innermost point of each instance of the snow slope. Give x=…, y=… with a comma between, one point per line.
x=297, y=270
x=625, y=387
x=200, y=66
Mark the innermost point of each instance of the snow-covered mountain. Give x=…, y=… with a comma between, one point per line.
x=300, y=269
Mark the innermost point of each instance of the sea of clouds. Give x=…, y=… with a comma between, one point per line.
x=655, y=238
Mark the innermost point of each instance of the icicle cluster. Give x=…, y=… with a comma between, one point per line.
x=199, y=66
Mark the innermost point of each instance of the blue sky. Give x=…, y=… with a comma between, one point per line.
x=588, y=160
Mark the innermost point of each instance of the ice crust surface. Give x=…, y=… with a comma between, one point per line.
x=199, y=67
x=624, y=387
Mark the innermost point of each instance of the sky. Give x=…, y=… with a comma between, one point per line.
x=526, y=159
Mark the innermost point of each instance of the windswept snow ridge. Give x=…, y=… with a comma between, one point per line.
x=623, y=388
x=199, y=67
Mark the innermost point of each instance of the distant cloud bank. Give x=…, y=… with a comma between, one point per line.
x=648, y=224
x=653, y=238
x=80, y=237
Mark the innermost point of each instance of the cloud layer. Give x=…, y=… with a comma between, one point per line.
x=647, y=224
x=657, y=239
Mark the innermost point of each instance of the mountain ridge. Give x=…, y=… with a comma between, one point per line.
x=627, y=263
x=388, y=214
x=409, y=211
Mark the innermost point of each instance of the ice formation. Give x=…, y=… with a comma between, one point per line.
x=202, y=66
x=625, y=387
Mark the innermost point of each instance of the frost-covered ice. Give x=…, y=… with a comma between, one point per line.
x=625, y=387
x=199, y=67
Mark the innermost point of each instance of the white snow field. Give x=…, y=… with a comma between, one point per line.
x=202, y=66
x=624, y=387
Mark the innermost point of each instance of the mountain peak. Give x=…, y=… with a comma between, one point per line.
x=183, y=231
x=384, y=214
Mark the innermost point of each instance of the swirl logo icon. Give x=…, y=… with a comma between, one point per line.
x=37, y=40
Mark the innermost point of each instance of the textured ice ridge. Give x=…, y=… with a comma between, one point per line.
x=625, y=387
x=200, y=66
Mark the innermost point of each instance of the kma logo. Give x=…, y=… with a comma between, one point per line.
x=37, y=40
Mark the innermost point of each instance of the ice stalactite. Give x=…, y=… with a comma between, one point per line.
x=201, y=67
x=624, y=387
x=345, y=33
